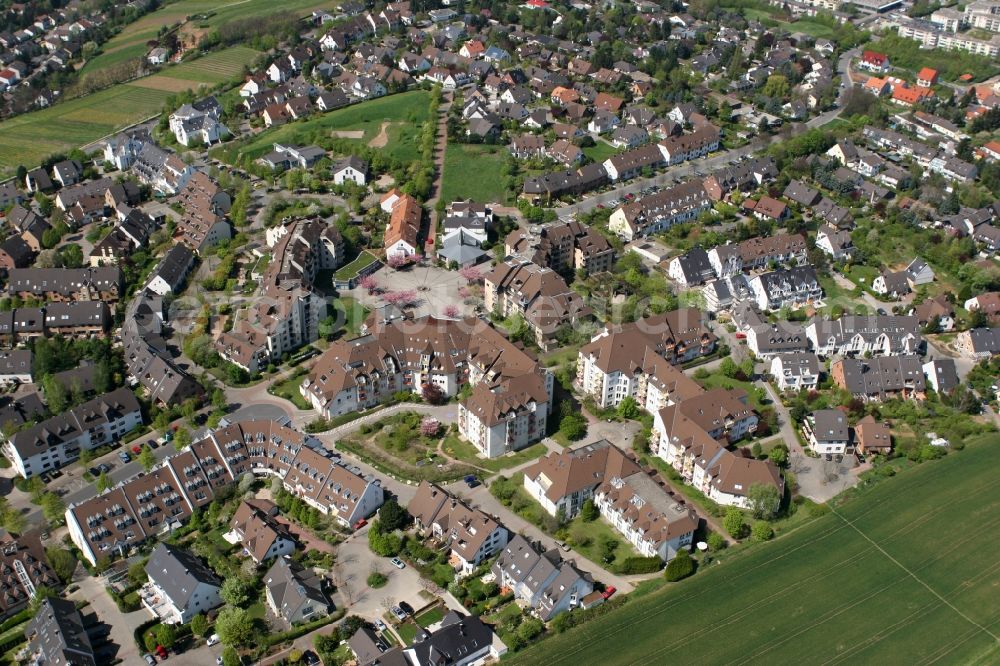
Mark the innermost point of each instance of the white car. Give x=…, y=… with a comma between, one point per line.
x=398, y=563
x=379, y=624
x=212, y=640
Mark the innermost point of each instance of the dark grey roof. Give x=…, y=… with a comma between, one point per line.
x=695, y=265
x=781, y=336
x=945, y=374
x=985, y=340
x=458, y=639
x=291, y=586
x=178, y=572
x=174, y=266
x=16, y=362
x=882, y=374
x=58, y=635
x=830, y=425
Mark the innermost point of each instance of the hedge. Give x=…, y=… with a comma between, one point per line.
x=302, y=629
x=15, y=620
x=570, y=619
x=639, y=565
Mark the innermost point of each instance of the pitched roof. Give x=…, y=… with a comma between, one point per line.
x=569, y=472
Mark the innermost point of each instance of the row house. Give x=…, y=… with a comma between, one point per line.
x=541, y=580
x=786, y=288
x=759, y=252
x=877, y=335
x=881, y=377
x=144, y=507
x=66, y=284
x=570, y=246
x=795, y=372
x=658, y=212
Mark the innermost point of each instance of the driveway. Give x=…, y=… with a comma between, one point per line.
x=122, y=624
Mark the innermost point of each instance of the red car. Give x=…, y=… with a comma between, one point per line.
x=741, y=336
x=137, y=449
x=609, y=591
x=161, y=652
x=361, y=523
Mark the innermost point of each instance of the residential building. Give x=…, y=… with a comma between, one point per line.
x=941, y=375
x=143, y=507
x=57, y=441
x=205, y=205
x=827, y=432
x=292, y=157
x=16, y=366
x=979, y=343
x=26, y=568
x=988, y=303
x=795, y=372
x=165, y=172
x=937, y=312
x=66, y=284
x=872, y=437
x=786, y=288
x=470, y=535
x=540, y=579
x=757, y=253
x=350, y=169
x=123, y=149
x=918, y=273
x=198, y=122
x=566, y=247
x=893, y=284
x=654, y=521
x=56, y=635
x=691, y=268
x=262, y=537
x=767, y=341
x=404, y=228
x=170, y=274
x=885, y=335
x=620, y=362
x=880, y=377
x=539, y=295
x=562, y=482
x=180, y=585
x=658, y=212
x=834, y=242
x=295, y=593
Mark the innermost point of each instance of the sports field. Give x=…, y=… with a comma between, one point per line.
x=131, y=41
x=906, y=572
x=405, y=112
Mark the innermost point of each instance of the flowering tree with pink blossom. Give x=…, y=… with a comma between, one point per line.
x=430, y=426
x=464, y=292
x=451, y=311
x=471, y=274
x=370, y=284
x=399, y=260
x=400, y=298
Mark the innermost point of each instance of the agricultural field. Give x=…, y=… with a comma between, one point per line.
x=473, y=172
x=900, y=572
x=131, y=41
x=28, y=138
x=401, y=115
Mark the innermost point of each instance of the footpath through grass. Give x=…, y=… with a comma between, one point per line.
x=902, y=572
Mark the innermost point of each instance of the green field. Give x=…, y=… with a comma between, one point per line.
x=404, y=112
x=28, y=138
x=903, y=572
x=473, y=172
x=131, y=41
x=213, y=68
x=600, y=151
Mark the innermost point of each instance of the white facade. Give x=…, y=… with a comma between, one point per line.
x=513, y=432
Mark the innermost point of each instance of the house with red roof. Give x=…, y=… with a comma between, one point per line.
x=874, y=61
x=990, y=151
x=472, y=49
x=910, y=96
x=878, y=87
x=927, y=77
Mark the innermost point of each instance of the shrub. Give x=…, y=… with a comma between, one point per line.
x=377, y=579
x=639, y=565
x=716, y=541
x=589, y=512
x=733, y=522
x=761, y=531
x=680, y=567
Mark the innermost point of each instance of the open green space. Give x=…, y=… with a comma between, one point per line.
x=903, y=571
x=430, y=616
x=600, y=151
x=210, y=69
x=404, y=112
x=407, y=632
x=352, y=314
x=907, y=54
x=594, y=541
x=462, y=450
x=363, y=260
x=131, y=41
x=28, y=138
x=289, y=390
x=472, y=171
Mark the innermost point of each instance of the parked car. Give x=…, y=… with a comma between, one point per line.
x=212, y=640
x=407, y=608
x=161, y=652
x=361, y=523
x=398, y=563
x=150, y=659
x=398, y=612
x=471, y=481
x=609, y=591
x=136, y=449
x=152, y=444
x=379, y=624
x=124, y=456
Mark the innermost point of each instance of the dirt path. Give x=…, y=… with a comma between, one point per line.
x=348, y=134
x=382, y=138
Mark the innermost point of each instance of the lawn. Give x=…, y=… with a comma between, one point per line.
x=407, y=632
x=911, y=553
x=363, y=260
x=600, y=151
x=405, y=112
x=289, y=390
x=588, y=539
x=28, y=138
x=473, y=172
x=466, y=452
x=429, y=617
x=719, y=380
x=352, y=314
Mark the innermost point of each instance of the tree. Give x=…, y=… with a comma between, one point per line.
x=451, y=311
x=680, y=567
x=391, y=516
x=63, y=562
x=628, y=408
x=573, y=426
x=182, y=439
x=386, y=544
x=13, y=520
x=430, y=426
x=728, y=367
x=230, y=657
x=761, y=531
x=779, y=455
x=166, y=635
x=716, y=541
x=471, y=274
x=146, y=458
x=237, y=591
x=776, y=86
x=42, y=592
x=764, y=499
x=432, y=394
x=56, y=395
x=137, y=574
x=199, y=625
x=53, y=508
x=733, y=522
x=234, y=626
x=589, y=512
x=103, y=482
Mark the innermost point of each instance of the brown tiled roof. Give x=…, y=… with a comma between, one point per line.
x=565, y=473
